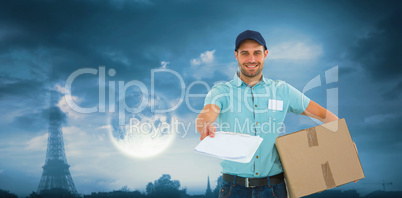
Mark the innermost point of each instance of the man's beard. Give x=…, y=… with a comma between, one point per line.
x=244, y=71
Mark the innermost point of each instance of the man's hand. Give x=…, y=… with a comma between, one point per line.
x=208, y=115
x=207, y=130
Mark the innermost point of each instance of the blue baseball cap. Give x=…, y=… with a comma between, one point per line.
x=250, y=34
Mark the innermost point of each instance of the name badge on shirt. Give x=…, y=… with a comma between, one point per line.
x=275, y=105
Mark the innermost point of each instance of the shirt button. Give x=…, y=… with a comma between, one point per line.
x=256, y=173
x=256, y=156
x=256, y=123
x=255, y=105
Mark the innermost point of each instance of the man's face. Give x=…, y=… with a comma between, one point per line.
x=251, y=56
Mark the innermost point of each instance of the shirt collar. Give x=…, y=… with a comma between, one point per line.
x=238, y=82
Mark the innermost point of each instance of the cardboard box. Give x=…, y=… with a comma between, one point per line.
x=319, y=158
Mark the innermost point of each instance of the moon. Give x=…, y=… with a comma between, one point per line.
x=144, y=134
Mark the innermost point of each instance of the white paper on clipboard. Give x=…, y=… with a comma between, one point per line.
x=236, y=147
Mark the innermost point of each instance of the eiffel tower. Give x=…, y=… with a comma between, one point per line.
x=56, y=174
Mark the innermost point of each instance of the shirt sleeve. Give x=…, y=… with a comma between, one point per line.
x=298, y=102
x=215, y=96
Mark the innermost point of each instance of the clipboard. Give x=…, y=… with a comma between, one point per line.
x=237, y=147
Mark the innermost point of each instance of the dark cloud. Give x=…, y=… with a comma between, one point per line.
x=394, y=92
x=347, y=70
x=381, y=134
x=31, y=122
x=90, y=33
x=34, y=102
x=36, y=121
x=379, y=52
x=10, y=87
x=131, y=38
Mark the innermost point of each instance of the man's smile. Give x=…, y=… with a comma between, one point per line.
x=251, y=66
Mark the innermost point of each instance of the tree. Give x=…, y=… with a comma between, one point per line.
x=165, y=187
x=7, y=194
x=125, y=189
x=34, y=195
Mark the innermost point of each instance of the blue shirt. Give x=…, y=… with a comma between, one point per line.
x=258, y=110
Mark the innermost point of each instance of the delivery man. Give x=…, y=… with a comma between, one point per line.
x=253, y=104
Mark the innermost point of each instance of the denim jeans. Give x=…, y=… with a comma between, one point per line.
x=229, y=189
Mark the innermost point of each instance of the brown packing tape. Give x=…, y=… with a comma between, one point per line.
x=327, y=174
x=312, y=137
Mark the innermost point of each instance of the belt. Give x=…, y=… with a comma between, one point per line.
x=254, y=182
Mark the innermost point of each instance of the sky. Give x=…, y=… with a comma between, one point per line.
x=182, y=48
